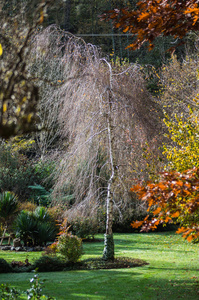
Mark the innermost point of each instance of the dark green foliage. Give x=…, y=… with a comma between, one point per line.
x=27, y=178
x=16, y=172
x=5, y=267
x=117, y=263
x=26, y=227
x=40, y=195
x=41, y=214
x=45, y=232
x=49, y=264
x=20, y=266
x=70, y=247
x=8, y=205
x=7, y=292
x=44, y=169
x=15, y=266
x=85, y=228
x=35, y=228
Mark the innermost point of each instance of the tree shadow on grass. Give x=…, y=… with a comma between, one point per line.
x=134, y=284
x=120, y=285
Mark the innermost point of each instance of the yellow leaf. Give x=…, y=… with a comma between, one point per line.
x=41, y=17
x=4, y=107
x=1, y=50
x=29, y=117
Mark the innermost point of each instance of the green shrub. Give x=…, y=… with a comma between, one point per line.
x=47, y=263
x=5, y=267
x=70, y=247
x=6, y=292
x=85, y=228
x=16, y=172
x=26, y=177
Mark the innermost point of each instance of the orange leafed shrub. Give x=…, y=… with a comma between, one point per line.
x=175, y=198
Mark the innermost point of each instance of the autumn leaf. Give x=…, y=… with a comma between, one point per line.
x=136, y=224
x=181, y=230
x=155, y=18
x=175, y=215
x=143, y=16
x=41, y=17
x=190, y=238
x=157, y=211
x=1, y=50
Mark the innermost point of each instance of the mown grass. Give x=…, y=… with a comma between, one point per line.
x=172, y=273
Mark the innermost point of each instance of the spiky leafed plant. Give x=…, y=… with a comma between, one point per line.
x=46, y=232
x=36, y=227
x=41, y=214
x=8, y=208
x=26, y=227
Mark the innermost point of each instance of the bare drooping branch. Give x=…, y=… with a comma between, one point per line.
x=83, y=100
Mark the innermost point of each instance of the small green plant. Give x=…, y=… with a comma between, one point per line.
x=70, y=247
x=8, y=293
x=33, y=293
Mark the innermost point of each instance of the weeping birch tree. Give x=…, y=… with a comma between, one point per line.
x=103, y=117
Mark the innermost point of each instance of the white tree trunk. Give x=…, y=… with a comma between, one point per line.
x=108, y=253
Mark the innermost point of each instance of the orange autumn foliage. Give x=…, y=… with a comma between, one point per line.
x=154, y=18
x=175, y=198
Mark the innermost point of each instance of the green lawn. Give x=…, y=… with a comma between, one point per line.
x=172, y=273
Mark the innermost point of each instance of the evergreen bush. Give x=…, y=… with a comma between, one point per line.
x=5, y=267
x=47, y=263
x=70, y=247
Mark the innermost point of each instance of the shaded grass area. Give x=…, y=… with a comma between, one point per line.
x=172, y=272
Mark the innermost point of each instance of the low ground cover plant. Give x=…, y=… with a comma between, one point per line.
x=33, y=293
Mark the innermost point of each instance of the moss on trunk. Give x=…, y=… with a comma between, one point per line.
x=108, y=253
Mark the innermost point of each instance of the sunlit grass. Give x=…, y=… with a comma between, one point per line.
x=172, y=273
